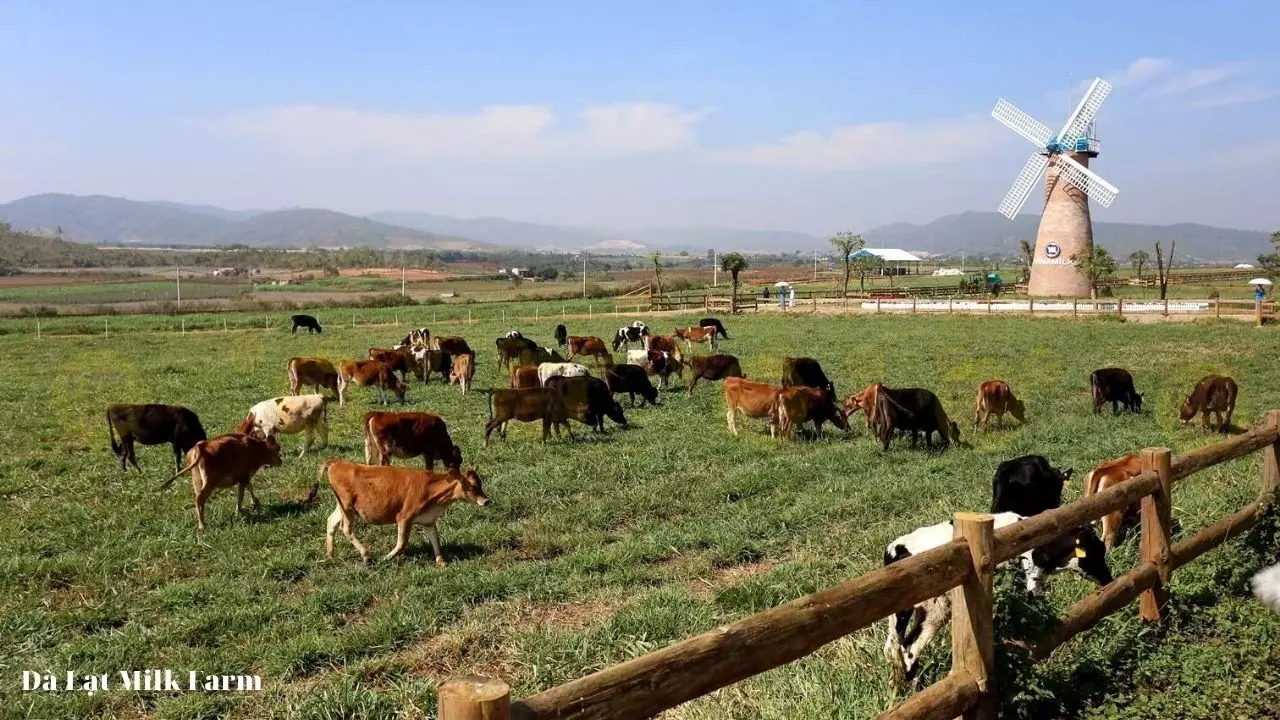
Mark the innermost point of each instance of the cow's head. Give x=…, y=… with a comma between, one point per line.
x=1187, y=411
x=469, y=484
x=1136, y=399
x=1089, y=557
x=270, y=451
x=1066, y=475
x=453, y=459
x=398, y=387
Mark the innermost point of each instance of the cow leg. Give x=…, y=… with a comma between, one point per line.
x=342, y=392
x=434, y=536
x=402, y=537
x=489, y=428
x=253, y=496
x=322, y=429
x=240, y=499
x=131, y=452
x=1204, y=418
x=729, y=416
x=306, y=440
x=202, y=497
x=1115, y=407
x=693, y=384
x=345, y=522
x=335, y=519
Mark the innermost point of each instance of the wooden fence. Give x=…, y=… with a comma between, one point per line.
x=649, y=684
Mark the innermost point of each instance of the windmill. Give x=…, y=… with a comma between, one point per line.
x=1065, y=225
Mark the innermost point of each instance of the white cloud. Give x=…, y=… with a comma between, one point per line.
x=870, y=146
x=497, y=132
x=1198, y=78
x=1139, y=71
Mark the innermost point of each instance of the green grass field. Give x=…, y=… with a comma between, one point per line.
x=114, y=292
x=596, y=550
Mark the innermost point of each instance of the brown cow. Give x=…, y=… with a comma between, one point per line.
x=663, y=364
x=754, y=399
x=364, y=373
x=454, y=345
x=713, y=367
x=692, y=335
x=432, y=362
x=995, y=398
x=384, y=495
x=524, y=376
x=464, y=369
x=509, y=348
x=1108, y=474
x=798, y=404
x=1213, y=394
x=864, y=400
x=527, y=405
x=408, y=435
x=589, y=345
x=225, y=461
x=315, y=372
x=400, y=360
x=537, y=356
x=152, y=425
x=663, y=343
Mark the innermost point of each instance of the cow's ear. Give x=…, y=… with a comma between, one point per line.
x=1066, y=474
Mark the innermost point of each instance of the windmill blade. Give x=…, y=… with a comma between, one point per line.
x=1023, y=124
x=1023, y=185
x=1098, y=190
x=1085, y=112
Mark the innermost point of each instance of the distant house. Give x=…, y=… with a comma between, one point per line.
x=895, y=262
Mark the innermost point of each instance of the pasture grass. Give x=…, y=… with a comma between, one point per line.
x=597, y=549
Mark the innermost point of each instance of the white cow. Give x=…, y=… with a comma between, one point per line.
x=290, y=415
x=566, y=369
x=1266, y=587
x=637, y=357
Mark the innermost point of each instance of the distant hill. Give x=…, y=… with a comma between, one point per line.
x=101, y=219
x=497, y=231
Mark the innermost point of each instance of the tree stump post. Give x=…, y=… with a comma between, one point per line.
x=1156, y=524
x=1270, y=462
x=474, y=698
x=972, y=607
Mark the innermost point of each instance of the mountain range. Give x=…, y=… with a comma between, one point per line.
x=101, y=219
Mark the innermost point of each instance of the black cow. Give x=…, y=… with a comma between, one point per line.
x=913, y=410
x=1027, y=485
x=631, y=379
x=588, y=400
x=152, y=425
x=807, y=371
x=562, y=335
x=715, y=323
x=1115, y=386
x=305, y=321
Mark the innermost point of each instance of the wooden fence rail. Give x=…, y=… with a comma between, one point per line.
x=688, y=669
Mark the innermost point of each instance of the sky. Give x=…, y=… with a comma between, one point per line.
x=810, y=115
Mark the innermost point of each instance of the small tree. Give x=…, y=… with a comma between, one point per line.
x=864, y=266
x=1164, y=265
x=1137, y=259
x=846, y=244
x=733, y=263
x=1095, y=264
x=656, y=257
x=1026, y=253
x=1271, y=261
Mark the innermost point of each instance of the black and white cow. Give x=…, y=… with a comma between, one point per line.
x=419, y=338
x=627, y=334
x=515, y=334
x=1027, y=485
x=1080, y=551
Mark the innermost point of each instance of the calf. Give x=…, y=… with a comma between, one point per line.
x=1115, y=386
x=588, y=400
x=524, y=376
x=1027, y=485
x=1078, y=550
x=715, y=323
x=152, y=425
x=562, y=335
x=1213, y=394
x=305, y=321
x=692, y=335
x=408, y=435
x=509, y=348
x=799, y=404
x=418, y=338
x=225, y=461
x=315, y=372
x=995, y=398
x=527, y=405
x=913, y=410
x=289, y=416
x=364, y=373
x=453, y=345
x=664, y=365
x=549, y=370
x=631, y=379
x=591, y=346
x=433, y=362
x=753, y=399
x=627, y=334
x=400, y=360
x=464, y=369
x=384, y=495
x=713, y=367
x=1108, y=474
x=808, y=372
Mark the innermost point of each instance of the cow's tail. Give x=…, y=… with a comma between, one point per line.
x=489, y=399
x=292, y=369
x=111, y=435
x=196, y=455
x=1089, y=480
x=315, y=489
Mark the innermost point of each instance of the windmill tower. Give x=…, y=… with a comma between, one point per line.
x=1065, y=225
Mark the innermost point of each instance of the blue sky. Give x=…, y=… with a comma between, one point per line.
x=813, y=115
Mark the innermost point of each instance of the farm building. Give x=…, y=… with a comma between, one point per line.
x=894, y=262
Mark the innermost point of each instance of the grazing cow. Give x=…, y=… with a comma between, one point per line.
x=289, y=416
x=799, y=404
x=995, y=398
x=664, y=365
x=591, y=346
x=864, y=400
x=314, y=372
x=1077, y=550
x=913, y=410
x=305, y=321
x=415, y=339
x=1266, y=587
x=152, y=425
x=384, y=495
x=464, y=368
x=753, y=399
x=808, y=372
x=225, y=461
x=524, y=376
x=663, y=343
x=1027, y=485
x=539, y=355
x=715, y=323
x=408, y=435
x=453, y=345
x=526, y=405
x=1110, y=473
x=588, y=400
x=509, y=348
x=433, y=362
x=400, y=360
x=1213, y=394
x=627, y=334
x=1115, y=386
x=637, y=357
x=364, y=373
x=631, y=379
x=565, y=369
x=713, y=367
x=562, y=335
x=692, y=335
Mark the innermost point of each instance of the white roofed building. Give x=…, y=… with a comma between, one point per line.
x=896, y=262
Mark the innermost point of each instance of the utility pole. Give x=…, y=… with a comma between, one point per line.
x=715, y=269
x=402, y=293
x=815, y=265
x=584, y=276
x=177, y=273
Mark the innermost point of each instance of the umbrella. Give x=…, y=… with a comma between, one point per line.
x=1259, y=281
x=782, y=283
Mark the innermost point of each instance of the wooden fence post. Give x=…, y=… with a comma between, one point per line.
x=1257, y=306
x=1075, y=311
x=1270, y=462
x=877, y=306
x=1156, y=522
x=1120, y=307
x=950, y=305
x=913, y=305
x=972, y=605
x=37, y=329
x=1031, y=307
x=474, y=698
x=988, y=306
x=1217, y=308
